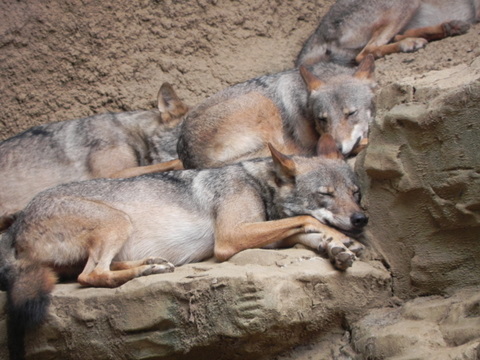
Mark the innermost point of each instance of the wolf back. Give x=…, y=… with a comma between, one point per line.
x=283, y=109
x=353, y=28
x=81, y=149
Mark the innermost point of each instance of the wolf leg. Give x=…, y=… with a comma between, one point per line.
x=100, y=271
x=335, y=246
x=414, y=39
x=378, y=45
x=283, y=233
x=437, y=32
x=125, y=265
x=405, y=45
x=141, y=170
x=105, y=241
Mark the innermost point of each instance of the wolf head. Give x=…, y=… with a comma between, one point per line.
x=324, y=187
x=344, y=105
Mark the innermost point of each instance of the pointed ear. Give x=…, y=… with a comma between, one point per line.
x=327, y=147
x=285, y=168
x=169, y=104
x=311, y=80
x=366, y=68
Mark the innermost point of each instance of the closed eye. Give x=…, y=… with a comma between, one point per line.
x=357, y=196
x=327, y=191
x=352, y=113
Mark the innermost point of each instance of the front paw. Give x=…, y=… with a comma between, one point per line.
x=412, y=44
x=341, y=258
x=455, y=27
x=354, y=246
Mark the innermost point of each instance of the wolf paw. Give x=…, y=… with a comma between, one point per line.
x=158, y=269
x=455, y=27
x=342, y=258
x=354, y=246
x=156, y=260
x=412, y=44
x=357, y=249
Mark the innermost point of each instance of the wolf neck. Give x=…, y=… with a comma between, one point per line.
x=292, y=97
x=261, y=176
x=142, y=122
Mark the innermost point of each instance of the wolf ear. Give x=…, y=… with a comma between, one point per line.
x=366, y=68
x=311, y=80
x=169, y=104
x=284, y=166
x=327, y=147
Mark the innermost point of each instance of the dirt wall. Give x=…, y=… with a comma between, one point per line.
x=63, y=60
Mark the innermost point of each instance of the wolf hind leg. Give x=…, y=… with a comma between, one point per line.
x=106, y=241
x=101, y=278
x=415, y=39
x=436, y=32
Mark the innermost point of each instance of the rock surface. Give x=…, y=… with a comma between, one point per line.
x=424, y=328
x=421, y=175
x=420, y=178
x=258, y=303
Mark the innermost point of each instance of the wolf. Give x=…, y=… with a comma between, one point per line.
x=119, y=229
x=106, y=145
x=290, y=110
x=353, y=29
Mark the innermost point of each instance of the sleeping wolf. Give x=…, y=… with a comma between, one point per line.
x=290, y=110
x=352, y=29
x=118, y=229
x=80, y=149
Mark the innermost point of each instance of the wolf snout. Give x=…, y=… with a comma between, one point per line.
x=359, y=220
x=349, y=147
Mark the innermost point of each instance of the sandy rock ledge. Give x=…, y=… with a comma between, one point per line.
x=259, y=303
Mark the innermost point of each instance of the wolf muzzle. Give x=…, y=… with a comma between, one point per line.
x=359, y=220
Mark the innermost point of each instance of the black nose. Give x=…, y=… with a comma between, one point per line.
x=359, y=220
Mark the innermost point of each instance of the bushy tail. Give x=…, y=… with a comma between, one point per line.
x=28, y=294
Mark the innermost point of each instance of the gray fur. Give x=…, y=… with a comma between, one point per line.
x=349, y=24
x=299, y=110
x=154, y=200
x=81, y=149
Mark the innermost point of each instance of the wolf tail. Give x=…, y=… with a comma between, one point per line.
x=28, y=296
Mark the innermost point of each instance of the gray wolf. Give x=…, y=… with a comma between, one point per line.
x=118, y=229
x=290, y=110
x=99, y=146
x=352, y=29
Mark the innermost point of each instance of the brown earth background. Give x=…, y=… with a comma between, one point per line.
x=63, y=60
